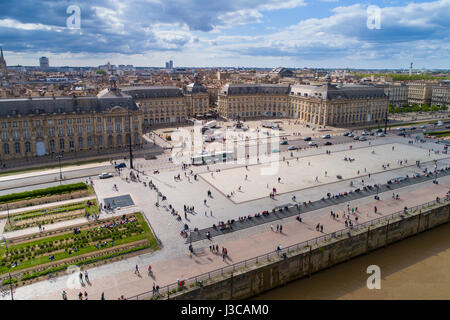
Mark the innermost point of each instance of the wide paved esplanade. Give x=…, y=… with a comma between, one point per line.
x=326, y=104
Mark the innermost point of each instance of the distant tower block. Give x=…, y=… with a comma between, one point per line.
x=410, y=69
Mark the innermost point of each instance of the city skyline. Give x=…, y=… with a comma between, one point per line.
x=260, y=34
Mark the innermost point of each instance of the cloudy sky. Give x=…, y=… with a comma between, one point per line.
x=239, y=33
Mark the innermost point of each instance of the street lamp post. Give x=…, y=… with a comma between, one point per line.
x=385, y=123
x=129, y=140
x=7, y=209
x=59, y=156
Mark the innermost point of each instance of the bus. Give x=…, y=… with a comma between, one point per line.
x=207, y=158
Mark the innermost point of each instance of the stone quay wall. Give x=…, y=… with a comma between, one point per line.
x=278, y=271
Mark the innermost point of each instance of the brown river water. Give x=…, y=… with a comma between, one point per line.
x=415, y=268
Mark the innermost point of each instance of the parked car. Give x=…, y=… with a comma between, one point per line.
x=339, y=176
x=363, y=139
x=412, y=128
x=347, y=134
x=379, y=130
x=381, y=134
x=283, y=142
x=312, y=143
x=422, y=127
x=327, y=136
x=275, y=151
x=120, y=165
x=105, y=175
x=307, y=139
x=351, y=135
x=292, y=148
x=328, y=143
x=364, y=133
x=356, y=138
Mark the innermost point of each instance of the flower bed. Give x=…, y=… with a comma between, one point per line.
x=51, y=215
x=130, y=232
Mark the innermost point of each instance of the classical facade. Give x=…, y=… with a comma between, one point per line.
x=338, y=105
x=322, y=105
x=397, y=93
x=419, y=93
x=33, y=127
x=197, y=98
x=253, y=100
x=440, y=95
x=169, y=105
x=159, y=105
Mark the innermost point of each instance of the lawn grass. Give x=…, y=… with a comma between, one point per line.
x=145, y=235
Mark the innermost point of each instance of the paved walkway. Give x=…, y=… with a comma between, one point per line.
x=52, y=171
x=241, y=245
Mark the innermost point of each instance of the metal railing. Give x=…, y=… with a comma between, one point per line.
x=228, y=271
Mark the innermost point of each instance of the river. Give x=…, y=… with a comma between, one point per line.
x=415, y=268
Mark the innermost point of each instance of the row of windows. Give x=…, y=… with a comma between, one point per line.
x=37, y=123
x=62, y=143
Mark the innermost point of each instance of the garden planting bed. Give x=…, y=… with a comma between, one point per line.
x=89, y=243
x=48, y=195
x=52, y=215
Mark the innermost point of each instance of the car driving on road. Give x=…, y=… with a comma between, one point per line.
x=105, y=175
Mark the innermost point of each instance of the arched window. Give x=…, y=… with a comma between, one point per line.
x=17, y=147
x=80, y=142
x=52, y=145
x=100, y=141
x=119, y=140
x=6, y=148
x=61, y=144
x=27, y=147
x=89, y=141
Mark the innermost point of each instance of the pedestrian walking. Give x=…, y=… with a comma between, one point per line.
x=278, y=227
x=281, y=228
x=102, y=297
x=86, y=276
x=64, y=295
x=85, y=295
x=80, y=296
x=136, y=271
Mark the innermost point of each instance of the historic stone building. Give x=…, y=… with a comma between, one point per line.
x=397, y=93
x=338, y=105
x=33, y=127
x=419, y=93
x=169, y=105
x=440, y=94
x=197, y=98
x=159, y=105
x=322, y=105
x=253, y=100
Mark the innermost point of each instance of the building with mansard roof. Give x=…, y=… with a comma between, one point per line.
x=316, y=104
